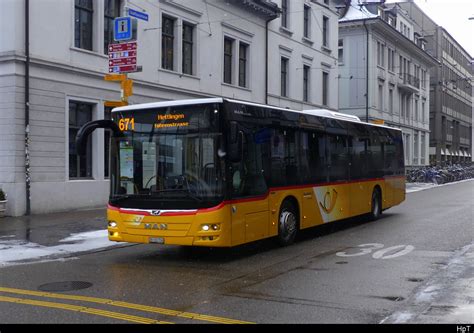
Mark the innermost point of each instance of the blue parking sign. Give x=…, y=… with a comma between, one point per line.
x=122, y=28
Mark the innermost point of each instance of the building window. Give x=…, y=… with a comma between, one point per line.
x=188, y=46
x=83, y=17
x=243, y=54
x=167, y=43
x=415, y=112
x=380, y=54
x=79, y=166
x=423, y=149
x=408, y=108
x=228, y=50
x=325, y=31
x=390, y=101
x=284, y=13
x=391, y=60
x=407, y=146
x=306, y=83
x=306, y=21
x=423, y=111
x=415, y=149
x=284, y=77
x=111, y=11
x=340, y=53
x=400, y=66
x=423, y=78
x=381, y=97
x=402, y=105
x=325, y=88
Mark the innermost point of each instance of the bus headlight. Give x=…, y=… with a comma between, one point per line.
x=112, y=224
x=210, y=227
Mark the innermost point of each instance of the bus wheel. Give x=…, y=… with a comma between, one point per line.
x=287, y=224
x=376, y=209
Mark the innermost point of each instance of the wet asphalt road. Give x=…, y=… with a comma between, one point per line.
x=348, y=272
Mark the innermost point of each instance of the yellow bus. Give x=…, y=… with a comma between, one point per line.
x=220, y=173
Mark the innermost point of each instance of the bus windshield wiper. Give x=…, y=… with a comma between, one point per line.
x=121, y=197
x=186, y=191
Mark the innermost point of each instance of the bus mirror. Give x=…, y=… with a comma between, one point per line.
x=88, y=128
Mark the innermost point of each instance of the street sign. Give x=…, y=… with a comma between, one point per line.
x=115, y=104
x=123, y=57
x=123, y=29
x=122, y=47
x=138, y=15
x=123, y=69
x=115, y=77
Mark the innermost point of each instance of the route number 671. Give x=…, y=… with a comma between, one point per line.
x=380, y=252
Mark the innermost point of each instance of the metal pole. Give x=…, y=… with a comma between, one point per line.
x=27, y=108
x=367, y=76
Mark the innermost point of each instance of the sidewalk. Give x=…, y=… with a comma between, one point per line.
x=49, y=229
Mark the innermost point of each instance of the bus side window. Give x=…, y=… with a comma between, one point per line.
x=291, y=158
x=338, y=157
x=376, y=155
x=314, y=156
x=358, y=151
x=277, y=155
x=248, y=175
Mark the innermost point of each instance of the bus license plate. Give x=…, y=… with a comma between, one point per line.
x=157, y=240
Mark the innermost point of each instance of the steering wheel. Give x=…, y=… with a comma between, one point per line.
x=148, y=182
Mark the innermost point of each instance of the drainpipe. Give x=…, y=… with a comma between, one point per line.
x=267, y=22
x=27, y=108
x=367, y=76
x=267, y=30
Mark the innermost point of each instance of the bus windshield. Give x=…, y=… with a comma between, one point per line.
x=167, y=159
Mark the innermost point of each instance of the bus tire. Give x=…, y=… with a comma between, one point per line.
x=287, y=223
x=376, y=205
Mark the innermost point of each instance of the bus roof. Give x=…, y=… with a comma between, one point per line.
x=166, y=104
x=316, y=112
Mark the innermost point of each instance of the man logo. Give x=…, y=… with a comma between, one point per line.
x=155, y=212
x=329, y=202
x=162, y=226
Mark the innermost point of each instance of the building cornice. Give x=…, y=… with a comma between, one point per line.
x=265, y=8
x=390, y=33
x=182, y=7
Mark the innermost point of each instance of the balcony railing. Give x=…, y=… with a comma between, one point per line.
x=409, y=83
x=409, y=79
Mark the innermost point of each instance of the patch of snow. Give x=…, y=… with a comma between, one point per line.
x=14, y=251
x=398, y=318
x=428, y=294
x=357, y=11
x=415, y=187
x=86, y=236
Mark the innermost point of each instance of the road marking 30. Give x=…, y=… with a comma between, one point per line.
x=83, y=309
x=381, y=253
x=140, y=307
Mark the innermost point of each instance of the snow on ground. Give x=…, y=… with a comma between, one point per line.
x=415, y=187
x=14, y=251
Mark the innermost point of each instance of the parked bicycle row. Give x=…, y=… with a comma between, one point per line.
x=440, y=174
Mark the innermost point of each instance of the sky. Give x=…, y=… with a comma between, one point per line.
x=453, y=15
